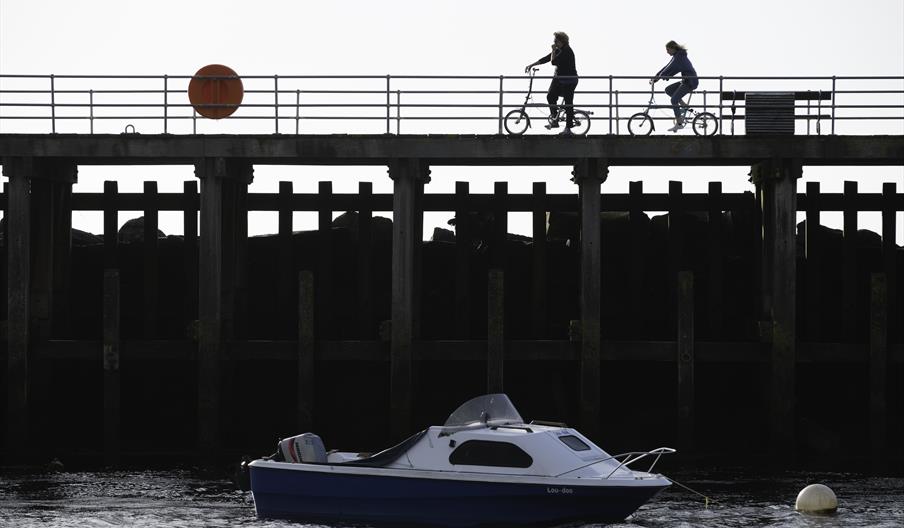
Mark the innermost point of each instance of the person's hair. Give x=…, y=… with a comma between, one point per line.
x=561, y=35
x=674, y=45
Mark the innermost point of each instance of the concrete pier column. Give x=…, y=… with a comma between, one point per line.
x=222, y=183
x=776, y=182
x=408, y=175
x=589, y=174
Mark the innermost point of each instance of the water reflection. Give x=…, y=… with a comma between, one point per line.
x=186, y=499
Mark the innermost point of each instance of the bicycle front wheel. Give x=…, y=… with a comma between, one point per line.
x=516, y=122
x=640, y=124
x=705, y=124
x=581, y=123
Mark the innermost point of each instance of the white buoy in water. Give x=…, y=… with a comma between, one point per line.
x=816, y=498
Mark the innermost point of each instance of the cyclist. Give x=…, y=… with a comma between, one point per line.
x=679, y=64
x=563, y=83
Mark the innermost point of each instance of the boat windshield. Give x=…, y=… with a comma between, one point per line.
x=490, y=409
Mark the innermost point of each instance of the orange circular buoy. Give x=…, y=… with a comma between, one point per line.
x=204, y=91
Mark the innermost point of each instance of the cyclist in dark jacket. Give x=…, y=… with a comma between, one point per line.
x=679, y=64
x=563, y=83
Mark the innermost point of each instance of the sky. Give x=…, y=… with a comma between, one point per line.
x=465, y=37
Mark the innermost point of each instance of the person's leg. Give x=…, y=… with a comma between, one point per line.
x=568, y=96
x=552, y=97
x=674, y=91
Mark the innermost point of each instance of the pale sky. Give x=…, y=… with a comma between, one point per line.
x=464, y=37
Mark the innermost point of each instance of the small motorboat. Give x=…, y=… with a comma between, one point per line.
x=484, y=466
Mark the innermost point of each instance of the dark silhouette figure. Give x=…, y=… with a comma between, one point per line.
x=563, y=83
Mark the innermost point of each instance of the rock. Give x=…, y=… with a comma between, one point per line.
x=133, y=231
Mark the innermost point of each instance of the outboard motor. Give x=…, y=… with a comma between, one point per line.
x=306, y=447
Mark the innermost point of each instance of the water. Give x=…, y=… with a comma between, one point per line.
x=186, y=499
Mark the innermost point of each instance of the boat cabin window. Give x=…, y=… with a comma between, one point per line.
x=486, y=453
x=574, y=443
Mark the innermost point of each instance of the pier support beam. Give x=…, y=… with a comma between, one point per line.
x=776, y=182
x=39, y=219
x=216, y=283
x=589, y=174
x=407, y=175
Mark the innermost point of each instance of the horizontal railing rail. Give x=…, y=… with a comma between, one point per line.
x=430, y=103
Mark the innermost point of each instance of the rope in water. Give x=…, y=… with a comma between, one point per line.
x=706, y=499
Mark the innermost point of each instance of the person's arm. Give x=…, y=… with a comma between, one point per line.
x=542, y=60
x=667, y=71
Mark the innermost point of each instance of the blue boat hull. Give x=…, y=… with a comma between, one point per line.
x=335, y=497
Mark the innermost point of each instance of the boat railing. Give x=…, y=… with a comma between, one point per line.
x=626, y=459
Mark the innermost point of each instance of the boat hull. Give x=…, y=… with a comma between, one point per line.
x=330, y=496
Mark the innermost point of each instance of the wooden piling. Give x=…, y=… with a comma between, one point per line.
x=212, y=172
x=495, y=330
x=404, y=173
x=18, y=250
x=675, y=248
x=715, y=281
x=62, y=253
x=539, y=275
x=418, y=268
x=305, y=351
x=813, y=295
x=111, y=224
x=323, y=299
x=889, y=264
x=878, y=367
x=41, y=296
x=462, y=262
x=286, y=264
x=589, y=175
x=151, y=260
x=240, y=271
x=685, y=360
x=849, y=263
x=637, y=266
x=190, y=248
x=779, y=180
x=365, y=308
x=499, y=233
x=111, y=347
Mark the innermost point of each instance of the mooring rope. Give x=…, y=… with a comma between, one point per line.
x=706, y=499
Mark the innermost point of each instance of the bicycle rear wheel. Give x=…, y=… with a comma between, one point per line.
x=705, y=124
x=516, y=122
x=581, y=123
x=640, y=124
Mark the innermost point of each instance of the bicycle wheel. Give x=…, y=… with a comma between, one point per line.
x=640, y=124
x=516, y=122
x=705, y=124
x=581, y=123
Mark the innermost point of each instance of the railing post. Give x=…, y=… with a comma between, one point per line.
x=276, y=103
x=165, y=103
x=617, y=130
x=398, y=111
x=500, y=103
x=833, y=105
x=91, y=109
x=53, y=106
x=721, y=105
x=297, y=109
x=610, y=105
x=387, y=103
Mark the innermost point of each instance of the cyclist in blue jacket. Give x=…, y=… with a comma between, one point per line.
x=679, y=64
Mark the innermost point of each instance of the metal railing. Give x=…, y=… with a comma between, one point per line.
x=311, y=104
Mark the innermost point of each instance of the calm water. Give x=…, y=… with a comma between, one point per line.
x=186, y=499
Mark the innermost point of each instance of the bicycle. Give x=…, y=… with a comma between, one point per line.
x=642, y=124
x=517, y=121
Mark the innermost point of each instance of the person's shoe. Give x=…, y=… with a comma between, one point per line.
x=678, y=126
x=566, y=132
x=552, y=123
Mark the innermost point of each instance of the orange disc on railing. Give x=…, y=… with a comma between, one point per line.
x=224, y=89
